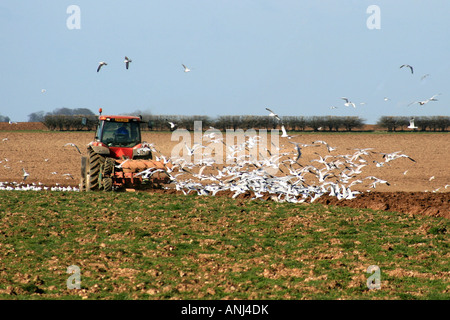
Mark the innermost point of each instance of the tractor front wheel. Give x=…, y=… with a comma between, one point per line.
x=107, y=172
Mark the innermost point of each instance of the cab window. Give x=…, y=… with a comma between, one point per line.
x=121, y=134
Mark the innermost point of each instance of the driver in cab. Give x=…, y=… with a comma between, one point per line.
x=121, y=135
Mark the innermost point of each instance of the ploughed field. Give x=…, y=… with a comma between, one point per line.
x=417, y=186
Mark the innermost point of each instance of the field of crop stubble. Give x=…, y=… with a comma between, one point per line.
x=165, y=245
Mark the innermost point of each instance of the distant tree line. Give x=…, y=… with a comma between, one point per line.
x=291, y=123
x=66, y=122
x=66, y=119
x=84, y=119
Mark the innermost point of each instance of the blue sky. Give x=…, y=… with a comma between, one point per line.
x=295, y=57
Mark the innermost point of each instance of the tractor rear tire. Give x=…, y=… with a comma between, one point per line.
x=107, y=184
x=94, y=164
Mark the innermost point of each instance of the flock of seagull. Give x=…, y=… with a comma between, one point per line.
x=296, y=179
x=19, y=186
x=349, y=103
x=127, y=62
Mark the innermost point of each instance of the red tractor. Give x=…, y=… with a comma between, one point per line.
x=117, y=158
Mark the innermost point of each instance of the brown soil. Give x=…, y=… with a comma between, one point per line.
x=415, y=187
x=5, y=126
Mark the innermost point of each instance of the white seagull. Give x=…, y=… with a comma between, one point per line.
x=172, y=125
x=284, y=135
x=273, y=114
x=25, y=174
x=100, y=65
x=127, y=62
x=348, y=103
x=407, y=66
x=186, y=69
x=433, y=98
x=73, y=145
x=411, y=124
x=376, y=181
x=298, y=149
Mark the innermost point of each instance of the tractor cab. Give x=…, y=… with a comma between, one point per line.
x=119, y=137
x=119, y=131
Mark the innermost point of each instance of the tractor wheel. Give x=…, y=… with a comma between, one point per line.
x=107, y=184
x=108, y=167
x=94, y=164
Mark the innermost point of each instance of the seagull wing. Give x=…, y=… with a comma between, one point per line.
x=433, y=98
x=299, y=153
x=73, y=145
x=99, y=67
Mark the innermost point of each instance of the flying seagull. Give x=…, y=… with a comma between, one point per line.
x=284, y=135
x=172, y=125
x=273, y=114
x=433, y=98
x=420, y=102
x=348, y=103
x=411, y=124
x=186, y=69
x=376, y=180
x=68, y=175
x=298, y=149
x=424, y=76
x=73, y=145
x=127, y=62
x=100, y=65
x=407, y=66
x=25, y=174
